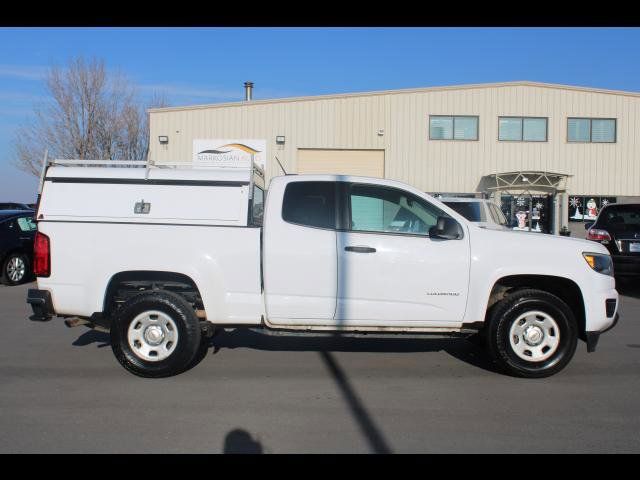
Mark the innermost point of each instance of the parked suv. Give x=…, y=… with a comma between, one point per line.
x=17, y=231
x=481, y=211
x=618, y=228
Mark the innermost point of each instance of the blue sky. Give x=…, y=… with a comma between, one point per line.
x=209, y=65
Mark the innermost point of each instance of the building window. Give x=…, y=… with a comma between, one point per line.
x=591, y=130
x=461, y=127
x=522, y=129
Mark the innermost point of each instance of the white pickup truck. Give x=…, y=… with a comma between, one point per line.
x=161, y=257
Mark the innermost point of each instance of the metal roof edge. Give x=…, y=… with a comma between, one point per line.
x=525, y=83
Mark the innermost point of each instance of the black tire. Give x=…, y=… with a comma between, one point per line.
x=201, y=352
x=6, y=276
x=507, y=312
x=186, y=347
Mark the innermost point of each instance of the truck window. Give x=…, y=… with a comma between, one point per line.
x=312, y=204
x=381, y=209
x=472, y=211
x=257, y=206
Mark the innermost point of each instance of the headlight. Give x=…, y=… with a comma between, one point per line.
x=599, y=262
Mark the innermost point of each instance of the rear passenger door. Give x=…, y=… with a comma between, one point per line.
x=300, y=263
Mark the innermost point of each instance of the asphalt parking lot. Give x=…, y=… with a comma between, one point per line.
x=63, y=391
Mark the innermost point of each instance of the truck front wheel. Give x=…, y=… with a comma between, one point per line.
x=155, y=334
x=532, y=334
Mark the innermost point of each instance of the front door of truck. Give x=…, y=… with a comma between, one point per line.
x=390, y=272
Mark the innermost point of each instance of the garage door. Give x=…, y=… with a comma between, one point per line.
x=368, y=163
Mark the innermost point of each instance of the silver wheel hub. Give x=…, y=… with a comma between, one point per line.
x=16, y=269
x=152, y=335
x=534, y=336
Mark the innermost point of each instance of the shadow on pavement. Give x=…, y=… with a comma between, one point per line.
x=250, y=338
x=460, y=349
x=372, y=433
x=92, y=336
x=240, y=441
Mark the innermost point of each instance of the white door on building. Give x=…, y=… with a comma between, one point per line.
x=367, y=163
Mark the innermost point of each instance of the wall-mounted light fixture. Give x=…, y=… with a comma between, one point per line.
x=280, y=140
x=163, y=139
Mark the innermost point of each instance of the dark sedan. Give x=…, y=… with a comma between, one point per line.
x=17, y=231
x=618, y=228
x=15, y=206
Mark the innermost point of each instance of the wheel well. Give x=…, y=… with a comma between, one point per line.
x=124, y=285
x=563, y=288
x=15, y=250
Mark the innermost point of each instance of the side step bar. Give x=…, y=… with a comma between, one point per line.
x=463, y=333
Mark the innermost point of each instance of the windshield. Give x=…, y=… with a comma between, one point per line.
x=497, y=215
x=470, y=210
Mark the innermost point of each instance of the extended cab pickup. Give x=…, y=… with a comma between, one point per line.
x=161, y=257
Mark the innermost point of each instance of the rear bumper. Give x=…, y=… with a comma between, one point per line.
x=40, y=301
x=626, y=265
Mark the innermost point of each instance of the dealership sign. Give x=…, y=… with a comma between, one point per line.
x=229, y=152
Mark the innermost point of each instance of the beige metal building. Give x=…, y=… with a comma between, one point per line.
x=530, y=146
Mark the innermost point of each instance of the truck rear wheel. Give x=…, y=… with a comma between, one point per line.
x=532, y=334
x=155, y=334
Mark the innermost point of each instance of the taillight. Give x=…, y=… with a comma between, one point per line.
x=598, y=235
x=41, y=255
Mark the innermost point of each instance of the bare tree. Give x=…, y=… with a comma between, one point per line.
x=91, y=114
x=135, y=132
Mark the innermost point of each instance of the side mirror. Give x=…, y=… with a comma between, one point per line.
x=588, y=225
x=446, y=229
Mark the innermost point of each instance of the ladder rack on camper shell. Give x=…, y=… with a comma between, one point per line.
x=255, y=171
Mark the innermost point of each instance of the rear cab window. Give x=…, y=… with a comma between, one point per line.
x=312, y=204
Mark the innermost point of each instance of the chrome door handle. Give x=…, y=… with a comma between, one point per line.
x=360, y=249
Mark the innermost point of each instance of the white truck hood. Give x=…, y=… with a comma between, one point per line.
x=539, y=241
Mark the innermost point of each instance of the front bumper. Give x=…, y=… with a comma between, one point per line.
x=40, y=301
x=593, y=337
